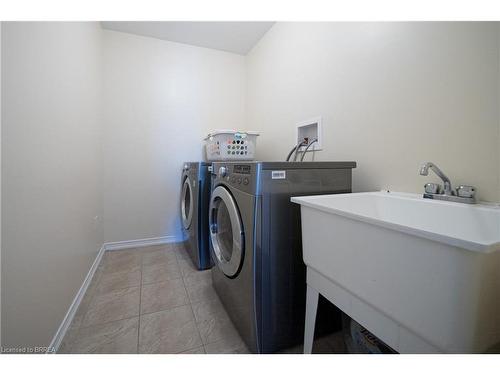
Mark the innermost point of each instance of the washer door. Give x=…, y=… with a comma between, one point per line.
x=226, y=232
x=187, y=203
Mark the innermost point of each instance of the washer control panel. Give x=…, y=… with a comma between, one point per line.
x=222, y=172
x=241, y=176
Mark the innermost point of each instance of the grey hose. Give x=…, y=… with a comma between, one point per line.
x=297, y=150
x=307, y=148
x=294, y=149
x=291, y=152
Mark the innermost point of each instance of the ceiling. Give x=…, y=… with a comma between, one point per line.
x=236, y=37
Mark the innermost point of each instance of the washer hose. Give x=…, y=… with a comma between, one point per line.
x=307, y=148
x=298, y=148
x=291, y=152
x=294, y=149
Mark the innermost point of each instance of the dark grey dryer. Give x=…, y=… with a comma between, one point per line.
x=255, y=243
x=195, y=194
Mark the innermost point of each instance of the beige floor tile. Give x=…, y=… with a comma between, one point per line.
x=67, y=343
x=119, y=256
x=169, y=331
x=114, y=337
x=217, y=328
x=79, y=316
x=163, y=296
x=89, y=293
x=95, y=278
x=199, y=286
x=82, y=309
x=118, y=280
x=121, y=262
x=198, y=293
x=158, y=257
x=179, y=245
x=113, y=255
x=160, y=272
x=207, y=309
x=131, y=266
x=200, y=350
x=181, y=251
x=86, y=300
x=111, y=306
x=198, y=278
x=153, y=248
x=187, y=267
x=234, y=345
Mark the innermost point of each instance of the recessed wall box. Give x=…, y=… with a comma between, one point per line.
x=308, y=131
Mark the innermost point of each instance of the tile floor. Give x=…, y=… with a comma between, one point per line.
x=153, y=300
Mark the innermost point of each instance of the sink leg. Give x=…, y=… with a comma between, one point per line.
x=311, y=308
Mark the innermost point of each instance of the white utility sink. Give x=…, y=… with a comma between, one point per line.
x=422, y=275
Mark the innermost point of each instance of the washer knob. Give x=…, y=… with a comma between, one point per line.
x=222, y=172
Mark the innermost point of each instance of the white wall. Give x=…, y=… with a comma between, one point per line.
x=51, y=185
x=392, y=95
x=161, y=99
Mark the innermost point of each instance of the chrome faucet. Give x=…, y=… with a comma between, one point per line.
x=424, y=171
x=462, y=194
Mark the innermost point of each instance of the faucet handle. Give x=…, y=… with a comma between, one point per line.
x=432, y=188
x=466, y=191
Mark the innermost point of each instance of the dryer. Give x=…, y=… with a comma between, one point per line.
x=255, y=243
x=195, y=194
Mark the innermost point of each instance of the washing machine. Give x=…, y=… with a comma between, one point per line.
x=255, y=243
x=195, y=195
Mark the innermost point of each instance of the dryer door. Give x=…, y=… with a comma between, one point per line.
x=187, y=203
x=226, y=232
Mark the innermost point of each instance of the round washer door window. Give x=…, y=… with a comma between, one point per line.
x=226, y=232
x=186, y=203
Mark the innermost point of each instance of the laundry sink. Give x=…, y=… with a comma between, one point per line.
x=422, y=275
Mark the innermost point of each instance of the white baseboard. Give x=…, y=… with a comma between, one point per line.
x=109, y=246
x=70, y=314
